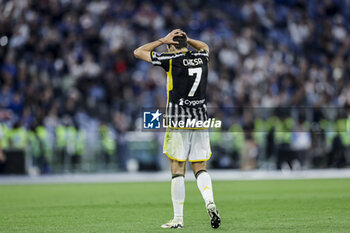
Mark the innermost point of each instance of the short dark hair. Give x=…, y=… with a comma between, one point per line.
x=182, y=42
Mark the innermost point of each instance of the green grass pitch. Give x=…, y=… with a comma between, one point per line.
x=245, y=206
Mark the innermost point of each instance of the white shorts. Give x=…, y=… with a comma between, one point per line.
x=183, y=145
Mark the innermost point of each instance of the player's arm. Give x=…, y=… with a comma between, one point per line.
x=197, y=44
x=144, y=52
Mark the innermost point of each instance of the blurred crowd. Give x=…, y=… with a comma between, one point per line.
x=70, y=63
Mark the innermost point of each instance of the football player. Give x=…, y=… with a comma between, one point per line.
x=187, y=73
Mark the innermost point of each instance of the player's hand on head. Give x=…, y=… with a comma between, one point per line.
x=176, y=32
x=184, y=34
x=168, y=39
x=179, y=32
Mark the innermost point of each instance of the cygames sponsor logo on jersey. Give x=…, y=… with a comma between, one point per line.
x=192, y=103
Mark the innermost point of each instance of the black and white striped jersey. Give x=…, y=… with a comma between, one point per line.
x=187, y=74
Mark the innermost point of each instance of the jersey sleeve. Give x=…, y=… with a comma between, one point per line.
x=161, y=59
x=203, y=52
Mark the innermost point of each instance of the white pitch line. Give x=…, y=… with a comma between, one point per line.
x=165, y=176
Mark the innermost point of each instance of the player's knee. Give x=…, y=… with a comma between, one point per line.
x=177, y=172
x=199, y=166
x=177, y=168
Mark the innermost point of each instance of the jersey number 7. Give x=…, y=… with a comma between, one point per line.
x=198, y=72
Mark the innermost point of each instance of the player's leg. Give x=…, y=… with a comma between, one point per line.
x=178, y=187
x=203, y=181
x=205, y=187
x=176, y=147
x=199, y=154
x=177, y=193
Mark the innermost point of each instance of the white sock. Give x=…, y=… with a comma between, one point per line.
x=205, y=187
x=178, y=196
